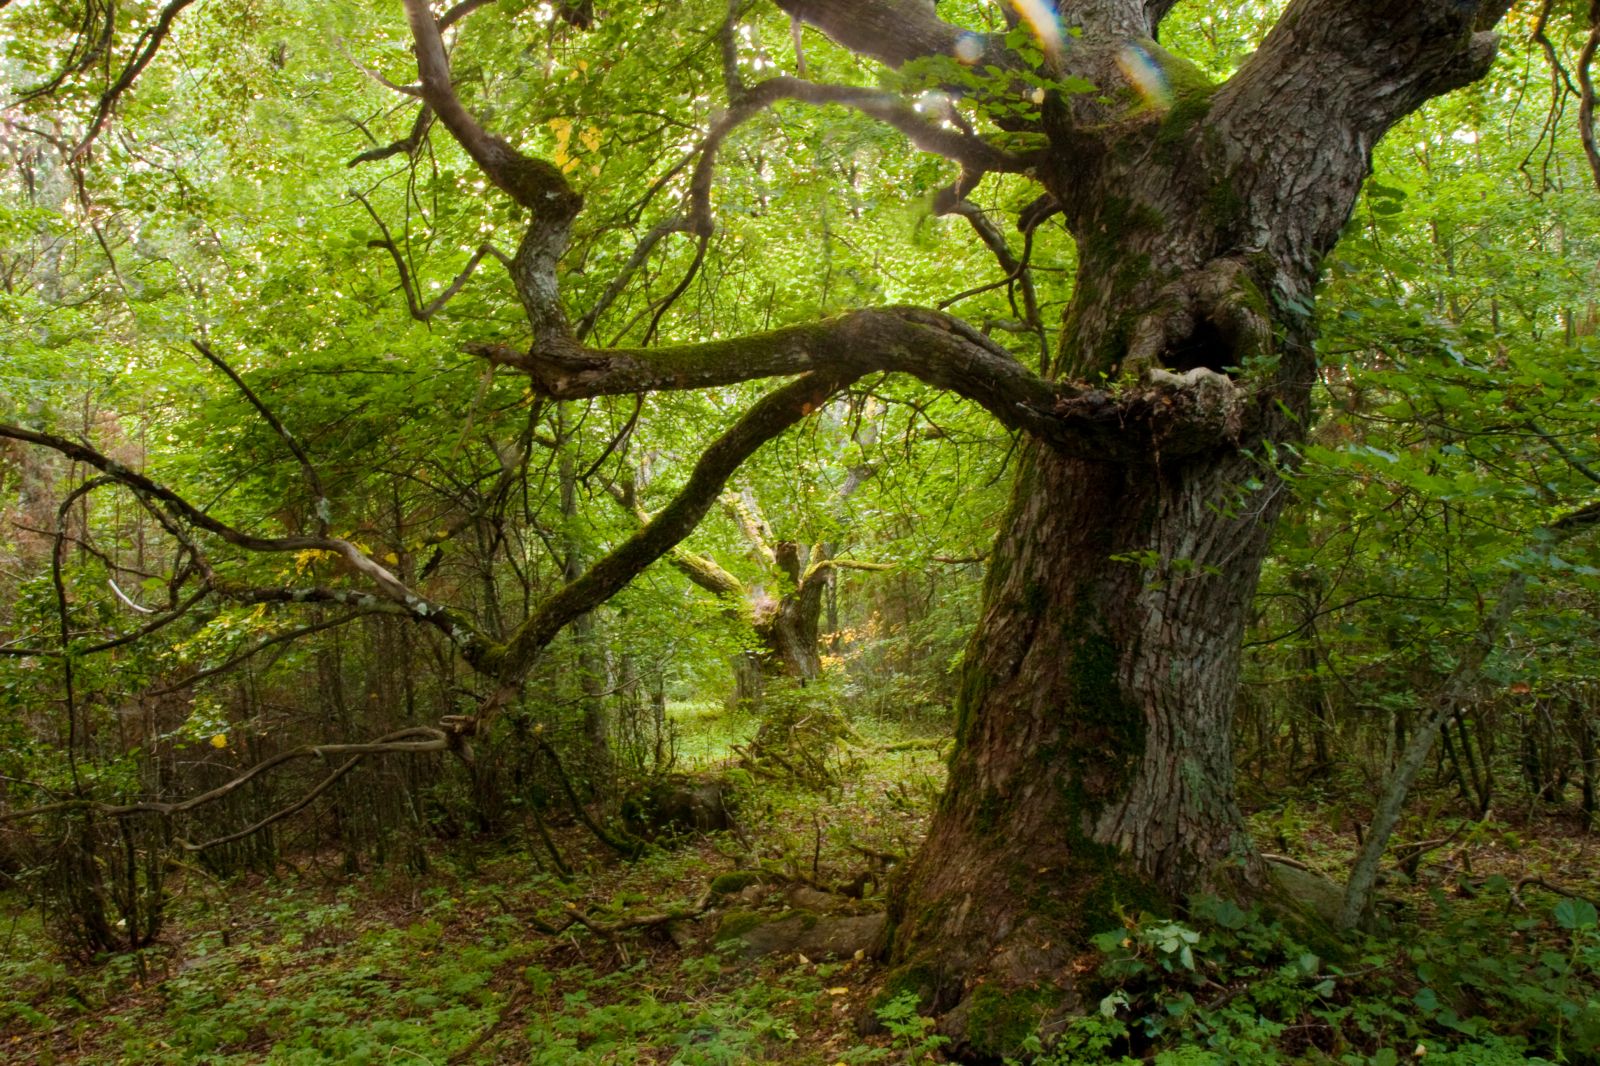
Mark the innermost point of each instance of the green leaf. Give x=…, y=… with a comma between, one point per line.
x=1575, y=914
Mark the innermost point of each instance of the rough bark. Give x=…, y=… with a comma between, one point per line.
x=1093, y=764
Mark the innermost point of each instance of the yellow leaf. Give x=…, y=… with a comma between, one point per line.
x=219, y=741
x=840, y=991
x=392, y=559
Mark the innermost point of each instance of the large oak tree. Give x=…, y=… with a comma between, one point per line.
x=1093, y=761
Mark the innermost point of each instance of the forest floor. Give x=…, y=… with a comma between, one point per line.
x=1489, y=961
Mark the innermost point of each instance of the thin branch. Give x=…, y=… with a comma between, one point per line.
x=1446, y=702
x=617, y=440
x=404, y=90
x=641, y=252
x=313, y=482
x=283, y=812
x=460, y=11
x=398, y=742
x=682, y=287
x=974, y=153
x=390, y=587
x=256, y=648
x=154, y=624
x=145, y=49
x=1586, y=103
x=407, y=145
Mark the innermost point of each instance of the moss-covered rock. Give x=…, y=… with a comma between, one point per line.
x=735, y=881
x=817, y=937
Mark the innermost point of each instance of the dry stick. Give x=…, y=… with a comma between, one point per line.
x=1364, y=874
x=1549, y=887
x=280, y=814
x=628, y=851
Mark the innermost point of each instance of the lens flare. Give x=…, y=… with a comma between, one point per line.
x=969, y=48
x=1145, y=75
x=1041, y=18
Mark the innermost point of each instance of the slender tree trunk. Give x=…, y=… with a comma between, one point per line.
x=592, y=674
x=1583, y=736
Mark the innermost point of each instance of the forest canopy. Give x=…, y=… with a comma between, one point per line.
x=580, y=426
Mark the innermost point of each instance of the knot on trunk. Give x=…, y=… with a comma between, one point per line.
x=1170, y=414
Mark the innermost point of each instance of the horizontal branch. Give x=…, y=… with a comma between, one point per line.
x=924, y=131
x=404, y=741
x=1176, y=416
x=698, y=569
x=261, y=644
x=893, y=31
x=846, y=564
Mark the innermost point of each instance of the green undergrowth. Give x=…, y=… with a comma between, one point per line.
x=312, y=966
x=1486, y=982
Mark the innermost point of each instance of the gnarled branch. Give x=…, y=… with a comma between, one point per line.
x=389, y=586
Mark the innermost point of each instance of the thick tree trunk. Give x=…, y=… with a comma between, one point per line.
x=1094, y=762
x=1093, y=767
x=788, y=631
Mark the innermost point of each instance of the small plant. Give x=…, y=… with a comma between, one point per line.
x=911, y=1032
